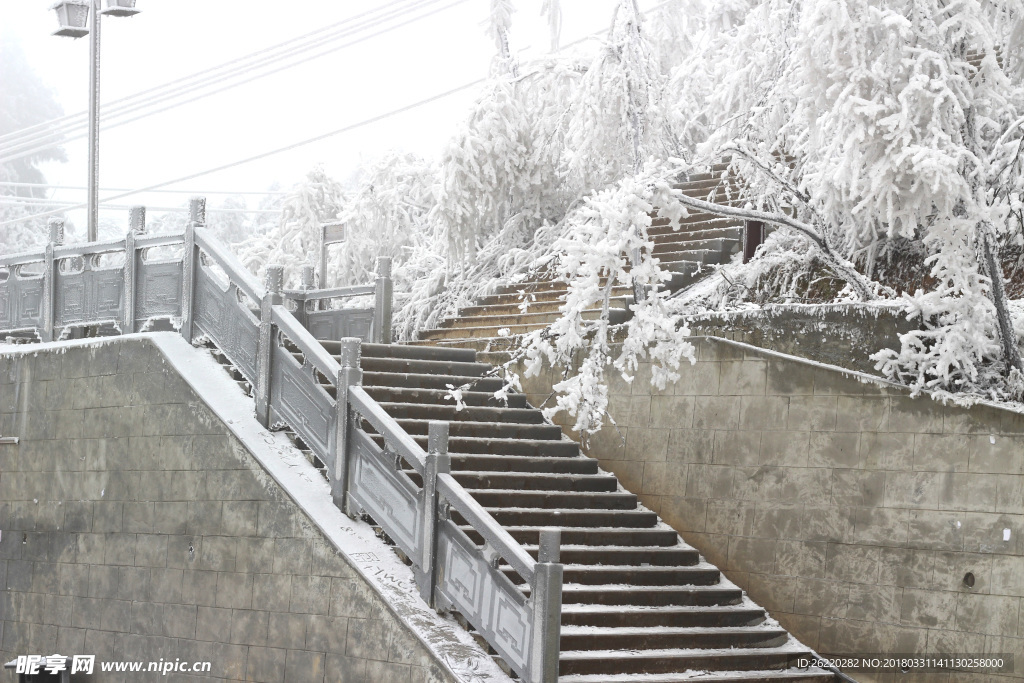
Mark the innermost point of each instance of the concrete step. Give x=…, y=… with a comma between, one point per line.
x=702, y=256
x=551, y=500
x=797, y=675
x=412, y=380
x=596, y=536
x=424, y=367
x=522, y=463
x=719, y=244
x=531, y=481
x=452, y=413
x=440, y=396
x=649, y=595
x=400, y=351
x=499, y=446
x=478, y=332
x=607, y=662
x=696, y=222
x=635, y=519
x=554, y=293
x=588, y=638
x=672, y=616
x=678, y=555
x=517, y=308
x=487, y=430
x=616, y=316
x=597, y=575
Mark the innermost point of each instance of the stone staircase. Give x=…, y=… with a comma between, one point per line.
x=686, y=250
x=639, y=604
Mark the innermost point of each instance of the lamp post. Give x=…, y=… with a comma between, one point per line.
x=73, y=16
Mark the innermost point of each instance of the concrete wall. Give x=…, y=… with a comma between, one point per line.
x=136, y=526
x=851, y=511
x=838, y=334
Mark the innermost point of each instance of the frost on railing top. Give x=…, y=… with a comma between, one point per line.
x=297, y=382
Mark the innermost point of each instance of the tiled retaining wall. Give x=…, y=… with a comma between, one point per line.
x=850, y=510
x=136, y=527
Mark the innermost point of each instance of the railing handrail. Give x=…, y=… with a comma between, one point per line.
x=334, y=293
x=388, y=427
x=144, y=241
x=307, y=344
x=262, y=344
x=22, y=258
x=89, y=248
x=236, y=272
x=480, y=519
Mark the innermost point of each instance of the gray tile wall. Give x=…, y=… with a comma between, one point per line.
x=850, y=510
x=134, y=526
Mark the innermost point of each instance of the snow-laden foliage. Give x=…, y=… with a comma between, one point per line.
x=594, y=257
x=295, y=241
x=871, y=120
x=386, y=216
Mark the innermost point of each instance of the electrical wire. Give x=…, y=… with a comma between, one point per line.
x=365, y=122
x=4, y=183
x=180, y=82
x=257, y=157
x=48, y=140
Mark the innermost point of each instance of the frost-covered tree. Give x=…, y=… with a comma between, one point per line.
x=25, y=101
x=872, y=120
x=294, y=241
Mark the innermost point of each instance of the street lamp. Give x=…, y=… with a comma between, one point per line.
x=73, y=16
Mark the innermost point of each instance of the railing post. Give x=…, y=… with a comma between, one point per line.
x=546, y=595
x=382, y=302
x=349, y=375
x=438, y=462
x=190, y=265
x=302, y=311
x=753, y=237
x=136, y=226
x=264, y=350
x=56, y=228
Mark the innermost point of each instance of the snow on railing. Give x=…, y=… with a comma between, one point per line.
x=297, y=381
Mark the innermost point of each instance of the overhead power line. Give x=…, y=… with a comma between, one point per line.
x=125, y=207
x=270, y=65
x=239, y=62
x=264, y=155
x=44, y=186
x=296, y=145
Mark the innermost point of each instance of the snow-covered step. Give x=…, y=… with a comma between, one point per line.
x=649, y=595
x=534, y=481
x=670, y=616
x=416, y=380
x=719, y=244
x=604, y=638
x=516, y=319
x=419, y=396
x=701, y=574
x=524, y=307
x=522, y=463
x=676, y=660
x=573, y=500
x=479, y=332
x=637, y=602
x=451, y=412
x=582, y=518
x=810, y=675
x=599, y=536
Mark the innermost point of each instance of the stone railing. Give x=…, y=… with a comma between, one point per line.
x=289, y=360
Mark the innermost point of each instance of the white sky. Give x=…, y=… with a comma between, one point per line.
x=173, y=39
